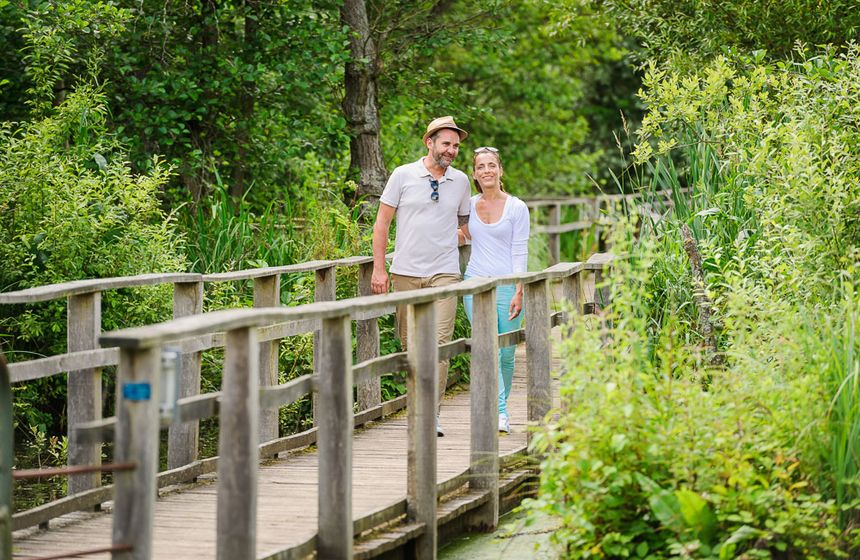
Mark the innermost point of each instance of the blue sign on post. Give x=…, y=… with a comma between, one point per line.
x=136, y=391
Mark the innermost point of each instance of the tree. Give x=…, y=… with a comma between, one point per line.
x=360, y=104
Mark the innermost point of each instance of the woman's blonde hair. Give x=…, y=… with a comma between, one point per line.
x=491, y=151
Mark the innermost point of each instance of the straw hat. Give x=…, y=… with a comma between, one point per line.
x=444, y=122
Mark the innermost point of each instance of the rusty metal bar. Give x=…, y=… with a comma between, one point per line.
x=76, y=469
x=79, y=553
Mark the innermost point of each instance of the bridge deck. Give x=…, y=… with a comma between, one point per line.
x=287, y=496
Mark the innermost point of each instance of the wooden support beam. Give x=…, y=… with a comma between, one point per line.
x=84, y=387
x=367, y=343
x=237, y=448
x=183, y=437
x=538, y=351
x=267, y=293
x=325, y=289
x=421, y=391
x=554, y=238
x=334, y=539
x=136, y=442
x=484, y=397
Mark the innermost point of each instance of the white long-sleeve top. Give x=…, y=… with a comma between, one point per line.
x=502, y=247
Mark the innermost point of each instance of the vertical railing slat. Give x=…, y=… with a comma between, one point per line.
x=7, y=446
x=325, y=289
x=183, y=437
x=484, y=397
x=367, y=343
x=84, y=387
x=237, y=447
x=136, y=442
x=267, y=293
x=538, y=351
x=334, y=539
x=421, y=390
x=554, y=238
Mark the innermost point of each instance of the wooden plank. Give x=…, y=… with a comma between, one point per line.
x=287, y=393
x=7, y=461
x=237, y=448
x=554, y=245
x=484, y=415
x=369, y=393
x=81, y=287
x=267, y=293
x=183, y=436
x=84, y=387
x=71, y=361
x=566, y=227
x=325, y=289
x=538, y=351
x=421, y=387
x=334, y=539
x=136, y=442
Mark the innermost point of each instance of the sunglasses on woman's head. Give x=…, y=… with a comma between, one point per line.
x=483, y=149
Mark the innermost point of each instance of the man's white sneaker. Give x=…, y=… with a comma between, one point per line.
x=439, y=431
x=504, y=423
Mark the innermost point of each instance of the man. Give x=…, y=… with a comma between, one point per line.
x=430, y=199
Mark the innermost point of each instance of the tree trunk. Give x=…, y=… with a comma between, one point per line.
x=360, y=107
x=245, y=104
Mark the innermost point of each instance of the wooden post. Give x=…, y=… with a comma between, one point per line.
x=267, y=293
x=595, y=220
x=421, y=391
x=334, y=539
x=237, y=447
x=183, y=437
x=484, y=396
x=324, y=290
x=571, y=290
x=84, y=387
x=7, y=461
x=538, y=352
x=554, y=237
x=367, y=343
x=136, y=441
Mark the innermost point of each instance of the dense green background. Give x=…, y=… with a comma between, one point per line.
x=141, y=136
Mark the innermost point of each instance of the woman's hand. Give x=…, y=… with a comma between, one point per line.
x=516, y=305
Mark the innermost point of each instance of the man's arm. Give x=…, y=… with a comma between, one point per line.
x=463, y=222
x=379, y=279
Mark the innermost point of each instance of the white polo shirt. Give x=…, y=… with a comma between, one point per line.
x=425, y=242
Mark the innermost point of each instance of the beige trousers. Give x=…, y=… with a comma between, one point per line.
x=446, y=312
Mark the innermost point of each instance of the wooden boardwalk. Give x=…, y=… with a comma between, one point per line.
x=185, y=517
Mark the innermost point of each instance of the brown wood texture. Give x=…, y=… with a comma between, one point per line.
x=184, y=524
x=267, y=293
x=84, y=386
x=182, y=437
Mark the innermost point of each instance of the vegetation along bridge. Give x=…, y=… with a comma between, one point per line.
x=389, y=489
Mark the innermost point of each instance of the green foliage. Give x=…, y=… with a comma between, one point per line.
x=662, y=455
x=70, y=209
x=691, y=32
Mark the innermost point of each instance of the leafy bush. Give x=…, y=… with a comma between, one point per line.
x=70, y=209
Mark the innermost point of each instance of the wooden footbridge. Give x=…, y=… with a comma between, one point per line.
x=371, y=479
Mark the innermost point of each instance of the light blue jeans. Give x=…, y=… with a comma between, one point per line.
x=504, y=294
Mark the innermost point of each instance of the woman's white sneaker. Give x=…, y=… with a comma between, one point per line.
x=504, y=423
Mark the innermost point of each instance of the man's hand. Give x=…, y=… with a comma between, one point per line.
x=379, y=281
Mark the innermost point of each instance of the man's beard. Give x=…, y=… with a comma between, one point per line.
x=440, y=160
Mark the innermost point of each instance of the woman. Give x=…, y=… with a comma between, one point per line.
x=499, y=229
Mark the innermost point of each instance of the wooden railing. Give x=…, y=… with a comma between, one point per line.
x=85, y=358
x=138, y=419
x=593, y=214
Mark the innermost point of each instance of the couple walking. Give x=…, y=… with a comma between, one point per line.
x=435, y=214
